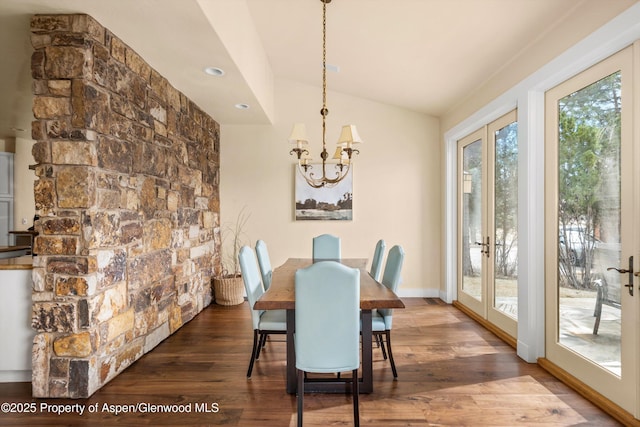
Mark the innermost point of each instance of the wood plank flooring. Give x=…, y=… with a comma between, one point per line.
x=451, y=372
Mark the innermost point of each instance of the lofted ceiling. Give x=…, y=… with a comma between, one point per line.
x=423, y=55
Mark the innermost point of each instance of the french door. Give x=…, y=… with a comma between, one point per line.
x=592, y=226
x=487, y=222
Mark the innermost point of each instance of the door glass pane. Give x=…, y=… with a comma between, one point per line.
x=6, y=206
x=506, y=221
x=472, y=250
x=589, y=222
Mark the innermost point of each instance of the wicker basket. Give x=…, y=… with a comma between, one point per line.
x=228, y=290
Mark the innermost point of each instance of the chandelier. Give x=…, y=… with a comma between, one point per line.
x=332, y=172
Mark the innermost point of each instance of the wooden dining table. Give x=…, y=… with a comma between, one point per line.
x=281, y=296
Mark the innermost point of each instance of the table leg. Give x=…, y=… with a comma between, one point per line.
x=292, y=385
x=367, y=353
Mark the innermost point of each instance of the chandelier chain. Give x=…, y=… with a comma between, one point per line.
x=324, y=111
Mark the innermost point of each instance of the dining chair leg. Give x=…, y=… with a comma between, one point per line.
x=393, y=364
x=381, y=341
x=253, y=352
x=260, y=345
x=300, y=396
x=355, y=388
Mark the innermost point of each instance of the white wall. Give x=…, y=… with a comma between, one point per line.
x=15, y=325
x=396, y=190
x=554, y=39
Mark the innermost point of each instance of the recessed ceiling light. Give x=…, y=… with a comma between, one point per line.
x=242, y=106
x=214, y=71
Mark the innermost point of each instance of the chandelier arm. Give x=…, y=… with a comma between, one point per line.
x=324, y=181
x=350, y=151
x=339, y=175
x=299, y=152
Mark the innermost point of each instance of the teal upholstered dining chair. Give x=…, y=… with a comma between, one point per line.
x=264, y=262
x=381, y=320
x=327, y=337
x=376, y=262
x=327, y=247
x=264, y=322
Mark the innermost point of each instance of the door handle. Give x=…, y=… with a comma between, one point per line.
x=487, y=252
x=629, y=271
x=485, y=247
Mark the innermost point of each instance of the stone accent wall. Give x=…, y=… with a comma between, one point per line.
x=127, y=194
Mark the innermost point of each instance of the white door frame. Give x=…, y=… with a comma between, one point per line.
x=528, y=98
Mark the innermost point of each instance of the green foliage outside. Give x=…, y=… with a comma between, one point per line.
x=589, y=177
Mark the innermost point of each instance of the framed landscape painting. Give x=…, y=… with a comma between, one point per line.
x=333, y=204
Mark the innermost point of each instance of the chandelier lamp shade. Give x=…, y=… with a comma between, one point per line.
x=338, y=167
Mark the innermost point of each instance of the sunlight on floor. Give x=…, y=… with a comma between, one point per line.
x=492, y=403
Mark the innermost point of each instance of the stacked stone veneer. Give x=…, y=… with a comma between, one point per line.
x=127, y=194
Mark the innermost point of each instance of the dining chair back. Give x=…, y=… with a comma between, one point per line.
x=382, y=319
x=327, y=316
x=264, y=322
x=392, y=276
x=264, y=263
x=252, y=282
x=326, y=247
x=376, y=263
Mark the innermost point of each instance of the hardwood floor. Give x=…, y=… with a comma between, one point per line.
x=451, y=372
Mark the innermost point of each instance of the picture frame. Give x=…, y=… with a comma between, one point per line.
x=323, y=204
